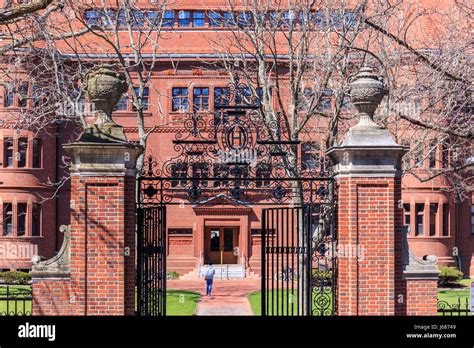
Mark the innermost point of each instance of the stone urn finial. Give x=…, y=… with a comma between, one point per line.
x=366, y=91
x=105, y=86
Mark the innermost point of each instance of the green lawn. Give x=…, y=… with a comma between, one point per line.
x=451, y=296
x=15, y=307
x=179, y=302
x=287, y=308
x=255, y=299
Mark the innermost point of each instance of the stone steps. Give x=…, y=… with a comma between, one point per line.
x=230, y=271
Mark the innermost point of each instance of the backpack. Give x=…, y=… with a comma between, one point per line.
x=209, y=273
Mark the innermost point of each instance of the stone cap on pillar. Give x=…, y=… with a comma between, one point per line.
x=103, y=158
x=367, y=150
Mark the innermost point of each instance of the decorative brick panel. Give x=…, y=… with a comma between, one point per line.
x=366, y=226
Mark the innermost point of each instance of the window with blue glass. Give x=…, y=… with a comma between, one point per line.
x=122, y=104
x=310, y=155
x=23, y=95
x=36, y=95
x=81, y=103
x=144, y=97
x=290, y=18
x=152, y=18
x=121, y=20
x=262, y=18
x=319, y=18
x=275, y=19
x=9, y=98
x=243, y=95
x=305, y=18
x=201, y=99
x=107, y=18
x=215, y=19
x=138, y=18
x=336, y=20
x=350, y=20
x=199, y=18
x=245, y=19
x=326, y=99
x=180, y=99
x=305, y=99
x=184, y=18
x=168, y=19
x=229, y=20
x=221, y=96
x=92, y=17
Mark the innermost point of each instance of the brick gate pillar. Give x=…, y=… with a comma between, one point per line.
x=370, y=250
x=101, y=278
x=103, y=227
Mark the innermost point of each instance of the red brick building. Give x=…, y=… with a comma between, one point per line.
x=32, y=210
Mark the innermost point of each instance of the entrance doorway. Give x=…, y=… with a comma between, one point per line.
x=221, y=244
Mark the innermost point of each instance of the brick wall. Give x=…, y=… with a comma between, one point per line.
x=52, y=297
x=101, y=272
x=368, y=220
x=421, y=297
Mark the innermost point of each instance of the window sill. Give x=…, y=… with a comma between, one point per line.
x=130, y=113
x=19, y=237
x=429, y=237
x=20, y=169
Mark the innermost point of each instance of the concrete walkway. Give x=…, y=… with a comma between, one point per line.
x=229, y=297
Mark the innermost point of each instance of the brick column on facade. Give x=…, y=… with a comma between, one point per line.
x=367, y=165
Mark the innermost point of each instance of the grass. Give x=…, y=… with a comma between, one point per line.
x=255, y=299
x=455, y=299
x=18, y=307
x=179, y=302
x=286, y=308
x=451, y=296
x=184, y=303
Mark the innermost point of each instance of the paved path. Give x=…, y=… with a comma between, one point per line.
x=229, y=297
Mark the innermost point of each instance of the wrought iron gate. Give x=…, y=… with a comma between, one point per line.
x=298, y=263
x=239, y=156
x=151, y=272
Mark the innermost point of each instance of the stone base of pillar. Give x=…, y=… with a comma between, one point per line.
x=52, y=283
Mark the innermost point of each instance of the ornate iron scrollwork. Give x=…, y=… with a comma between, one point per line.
x=236, y=150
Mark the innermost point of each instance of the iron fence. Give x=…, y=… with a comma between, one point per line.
x=458, y=308
x=15, y=300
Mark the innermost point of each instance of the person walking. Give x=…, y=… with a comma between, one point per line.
x=209, y=278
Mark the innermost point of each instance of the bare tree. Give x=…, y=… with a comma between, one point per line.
x=299, y=57
x=430, y=105
x=136, y=52
x=12, y=11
